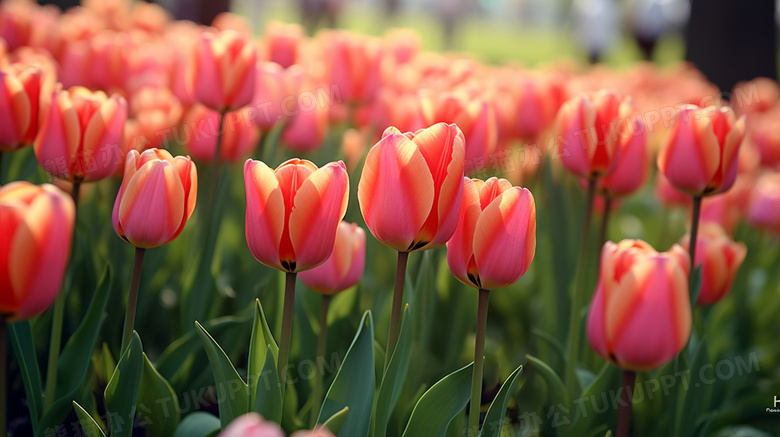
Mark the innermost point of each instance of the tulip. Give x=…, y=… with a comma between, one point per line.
x=630, y=168
x=251, y=425
x=720, y=258
x=763, y=209
x=344, y=266
x=36, y=224
x=667, y=195
x=20, y=88
x=640, y=317
x=154, y=111
x=224, y=72
x=353, y=146
x=700, y=155
x=239, y=136
x=80, y=137
x=306, y=129
x=272, y=91
x=282, y=43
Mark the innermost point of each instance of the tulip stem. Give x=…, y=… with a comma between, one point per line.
x=3, y=388
x=321, y=343
x=694, y=233
x=58, y=315
x=287, y=316
x=626, y=400
x=579, y=285
x=132, y=298
x=398, y=300
x=605, y=221
x=479, y=361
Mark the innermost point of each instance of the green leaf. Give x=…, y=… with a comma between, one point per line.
x=393, y=379
x=234, y=392
x=261, y=343
x=697, y=397
x=109, y=364
x=121, y=393
x=87, y=422
x=552, y=341
x=157, y=403
x=336, y=421
x=355, y=383
x=496, y=415
x=554, y=383
x=268, y=398
x=585, y=417
x=198, y=424
x=440, y=404
x=695, y=285
x=24, y=351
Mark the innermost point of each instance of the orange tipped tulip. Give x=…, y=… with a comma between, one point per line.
x=631, y=164
x=20, y=88
x=411, y=187
x=239, y=134
x=224, y=71
x=589, y=128
x=720, y=258
x=36, y=227
x=344, y=266
x=495, y=241
x=700, y=156
x=293, y=212
x=640, y=317
x=81, y=135
x=156, y=198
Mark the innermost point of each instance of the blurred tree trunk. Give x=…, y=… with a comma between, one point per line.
x=732, y=40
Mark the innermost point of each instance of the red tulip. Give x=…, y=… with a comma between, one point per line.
x=720, y=258
x=225, y=70
x=156, y=198
x=495, y=241
x=700, y=156
x=631, y=164
x=410, y=189
x=640, y=317
x=239, y=135
x=80, y=137
x=292, y=213
x=36, y=227
x=344, y=266
x=20, y=97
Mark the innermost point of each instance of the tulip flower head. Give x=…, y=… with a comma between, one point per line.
x=640, y=317
x=293, y=212
x=701, y=153
x=631, y=164
x=411, y=187
x=238, y=136
x=36, y=227
x=763, y=209
x=20, y=88
x=495, y=241
x=344, y=266
x=251, y=425
x=81, y=135
x=156, y=198
x=720, y=258
x=224, y=74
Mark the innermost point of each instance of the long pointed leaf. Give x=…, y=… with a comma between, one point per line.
x=496, y=415
x=24, y=351
x=440, y=404
x=268, y=398
x=157, y=403
x=260, y=344
x=121, y=393
x=393, y=379
x=87, y=422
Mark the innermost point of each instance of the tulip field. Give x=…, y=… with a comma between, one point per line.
x=210, y=232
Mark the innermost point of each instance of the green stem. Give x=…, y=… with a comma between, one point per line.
x=287, y=316
x=694, y=234
x=58, y=316
x=479, y=361
x=579, y=285
x=132, y=298
x=3, y=376
x=398, y=300
x=604, y=222
x=624, y=410
x=321, y=343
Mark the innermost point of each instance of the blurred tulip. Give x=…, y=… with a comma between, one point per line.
x=411, y=187
x=154, y=112
x=293, y=212
x=225, y=70
x=282, y=42
x=495, y=241
x=251, y=425
x=353, y=146
x=535, y=108
x=589, y=128
x=640, y=317
x=763, y=210
x=80, y=137
x=20, y=97
x=239, y=135
x=156, y=198
x=36, y=227
x=305, y=131
x=273, y=90
x=758, y=95
x=700, y=155
x=631, y=164
x=765, y=135
x=230, y=21
x=720, y=258
x=344, y=266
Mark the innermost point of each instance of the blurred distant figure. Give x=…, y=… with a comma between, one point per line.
x=315, y=11
x=651, y=19
x=596, y=25
x=450, y=13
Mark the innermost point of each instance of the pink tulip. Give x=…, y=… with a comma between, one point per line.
x=239, y=134
x=344, y=266
x=274, y=96
x=720, y=258
x=20, y=97
x=224, y=70
x=251, y=425
x=305, y=131
x=282, y=43
x=763, y=209
x=631, y=164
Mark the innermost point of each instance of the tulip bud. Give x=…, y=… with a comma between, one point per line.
x=720, y=258
x=239, y=135
x=700, y=156
x=640, y=317
x=156, y=198
x=80, y=137
x=282, y=42
x=36, y=227
x=251, y=425
x=292, y=213
x=344, y=266
x=495, y=241
x=411, y=187
x=20, y=88
x=763, y=209
x=224, y=71
x=631, y=161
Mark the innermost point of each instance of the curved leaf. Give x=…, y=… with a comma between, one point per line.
x=24, y=351
x=261, y=343
x=440, y=404
x=121, y=393
x=157, y=403
x=268, y=396
x=198, y=424
x=554, y=383
x=87, y=422
x=496, y=415
x=336, y=421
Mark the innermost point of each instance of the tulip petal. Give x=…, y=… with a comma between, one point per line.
x=131, y=167
x=460, y=250
x=576, y=119
x=265, y=216
x=57, y=144
x=15, y=111
x=597, y=336
x=691, y=155
x=10, y=220
x=102, y=137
